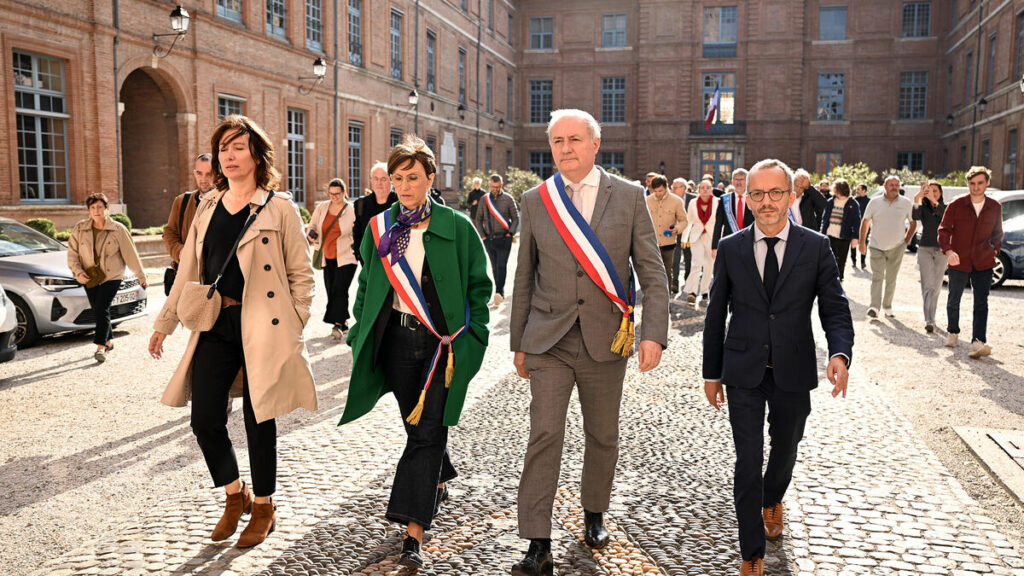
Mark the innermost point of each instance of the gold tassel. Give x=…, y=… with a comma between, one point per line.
x=414, y=416
x=627, y=346
x=620, y=337
x=449, y=371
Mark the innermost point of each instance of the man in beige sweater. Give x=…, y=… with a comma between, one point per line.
x=669, y=215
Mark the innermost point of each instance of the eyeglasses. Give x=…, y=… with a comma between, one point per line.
x=774, y=194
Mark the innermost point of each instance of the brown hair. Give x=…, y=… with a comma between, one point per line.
x=96, y=197
x=412, y=149
x=841, y=187
x=975, y=170
x=497, y=178
x=336, y=183
x=659, y=181
x=260, y=148
x=935, y=183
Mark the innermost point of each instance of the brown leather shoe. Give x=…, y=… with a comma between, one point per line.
x=752, y=567
x=772, y=517
x=261, y=524
x=236, y=504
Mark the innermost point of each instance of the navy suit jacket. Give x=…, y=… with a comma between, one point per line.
x=738, y=356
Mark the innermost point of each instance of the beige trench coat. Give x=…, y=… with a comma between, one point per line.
x=275, y=261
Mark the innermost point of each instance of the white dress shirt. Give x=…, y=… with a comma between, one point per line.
x=761, y=247
x=584, y=193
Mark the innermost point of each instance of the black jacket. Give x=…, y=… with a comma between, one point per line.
x=812, y=206
x=365, y=209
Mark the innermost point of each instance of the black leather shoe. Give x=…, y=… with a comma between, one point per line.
x=596, y=536
x=410, y=557
x=442, y=496
x=538, y=560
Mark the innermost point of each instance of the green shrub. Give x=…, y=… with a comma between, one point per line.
x=148, y=231
x=122, y=219
x=305, y=214
x=957, y=178
x=518, y=181
x=908, y=178
x=467, y=186
x=44, y=225
x=63, y=235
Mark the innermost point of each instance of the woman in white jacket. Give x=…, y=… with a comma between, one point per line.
x=701, y=216
x=330, y=228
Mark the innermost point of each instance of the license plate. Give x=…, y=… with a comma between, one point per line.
x=124, y=298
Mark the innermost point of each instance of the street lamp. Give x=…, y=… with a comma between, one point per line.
x=501, y=124
x=179, y=23
x=414, y=102
x=462, y=111
x=319, y=71
x=949, y=119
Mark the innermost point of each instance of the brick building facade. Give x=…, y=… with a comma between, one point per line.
x=88, y=107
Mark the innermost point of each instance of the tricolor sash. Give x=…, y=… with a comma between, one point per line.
x=407, y=288
x=730, y=212
x=496, y=213
x=792, y=216
x=586, y=247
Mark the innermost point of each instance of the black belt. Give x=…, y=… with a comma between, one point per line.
x=405, y=320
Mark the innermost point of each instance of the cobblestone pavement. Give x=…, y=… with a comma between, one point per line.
x=868, y=496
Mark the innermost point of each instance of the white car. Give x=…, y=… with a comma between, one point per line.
x=8, y=322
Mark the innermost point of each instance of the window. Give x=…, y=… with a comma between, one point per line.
x=431, y=60
x=968, y=78
x=613, y=30
x=432, y=144
x=462, y=4
x=510, y=28
x=616, y=160
x=917, y=18
x=913, y=95
x=985, y=148
x=396, y=44
x=540, y=100
x=718, y=163
x=726, y=82
x=831, y=96
x=1019, y=67
x=297, y=155
x=542, y=164
x=508, y=96
x=720, y=31
x=490, y=80
x=355, y=158
x=613, y=99
x=487, y=159
x=910, y=160
x=508, y=160
x=355, y=33
x=396, y=137
x=41, y=119
x=490, y=14
x=832, y=23
x=230, y=9
x=542, y=33
x=963, y=158
x=460, y=162
x=1011, y=160
x=228, y=105
x=824, y=162
x=990, y=80
x=276, y=24
x=314, y=26
x=462, y=75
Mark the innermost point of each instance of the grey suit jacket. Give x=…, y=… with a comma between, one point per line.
x=552, y=290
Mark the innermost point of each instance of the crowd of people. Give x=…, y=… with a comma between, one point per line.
x=757, y=254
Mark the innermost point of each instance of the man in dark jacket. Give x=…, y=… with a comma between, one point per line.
x=809, y=203
x=970, y=235
x=861, y=197
x=183, y=210
x=497, y=233
x=474, y=197
x=368, y=206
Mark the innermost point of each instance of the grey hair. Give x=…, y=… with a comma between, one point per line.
x=739, y=171
x=477, y=181
x=679, y=181
x=769, y=163
x=593, y=128
x=892, y=177
x=801, y=172
x=382, y=165
x=205, y=157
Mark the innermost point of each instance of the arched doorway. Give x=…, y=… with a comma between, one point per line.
x=151, y=171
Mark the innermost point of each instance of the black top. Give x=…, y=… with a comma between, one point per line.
x=930, y=218
x=475, y=195
x=862, y=201
x=365, y=209
x=220, y=237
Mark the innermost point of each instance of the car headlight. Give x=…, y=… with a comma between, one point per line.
x=55, y=283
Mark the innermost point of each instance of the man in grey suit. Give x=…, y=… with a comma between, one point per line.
x=563, y=325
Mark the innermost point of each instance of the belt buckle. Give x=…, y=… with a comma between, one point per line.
x=409, y=321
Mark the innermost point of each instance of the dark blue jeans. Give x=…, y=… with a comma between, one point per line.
x=406, y=355
x=498, y=250
x=981, y=283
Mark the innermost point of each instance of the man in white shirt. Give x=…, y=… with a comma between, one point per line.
x=887, y=218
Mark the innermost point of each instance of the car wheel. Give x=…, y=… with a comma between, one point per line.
x=1000, y=271
x=25, y=333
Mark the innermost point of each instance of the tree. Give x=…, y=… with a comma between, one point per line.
x=907, y=176
x=467, y=186
x=854, y=174
x=957, y=178
x=518, y=181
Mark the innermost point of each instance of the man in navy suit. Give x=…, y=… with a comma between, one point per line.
x=768, y=276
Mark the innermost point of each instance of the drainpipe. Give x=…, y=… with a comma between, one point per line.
x=479, y=31
x=117, y=104
x=337, y=101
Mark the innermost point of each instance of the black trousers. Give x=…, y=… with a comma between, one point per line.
x=498, y=250
x=839, y=249
x=425, y=462
x=337, y=280
x=752, y=491
x=217, y=359
x=100, y=298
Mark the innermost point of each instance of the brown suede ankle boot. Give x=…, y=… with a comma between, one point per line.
x=235, y=505
x=261, y=524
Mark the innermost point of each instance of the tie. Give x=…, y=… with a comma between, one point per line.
x=771, y=267
x=739, y=210
x=576, y=196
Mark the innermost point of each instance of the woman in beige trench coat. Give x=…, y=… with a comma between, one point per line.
x=266, y=290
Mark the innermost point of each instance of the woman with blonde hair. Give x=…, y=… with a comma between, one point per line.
x=247, y=243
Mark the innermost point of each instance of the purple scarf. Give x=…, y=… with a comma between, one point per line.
x=396, y=239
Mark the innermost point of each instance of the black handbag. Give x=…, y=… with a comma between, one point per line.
x=172, y=272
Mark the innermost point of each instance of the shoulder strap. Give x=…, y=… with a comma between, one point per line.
x=335, y=221
x=181, y=214
x=234, y=247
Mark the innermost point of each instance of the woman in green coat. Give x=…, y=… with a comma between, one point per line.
x=420, y=332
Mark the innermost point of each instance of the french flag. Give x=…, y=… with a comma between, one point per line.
x=712, y=109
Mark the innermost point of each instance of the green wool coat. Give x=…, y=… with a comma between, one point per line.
x=458, y=265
